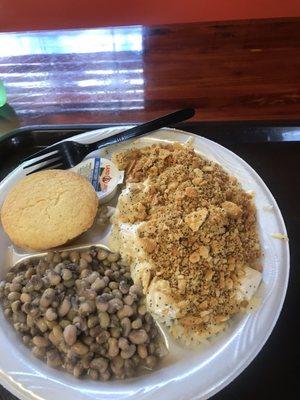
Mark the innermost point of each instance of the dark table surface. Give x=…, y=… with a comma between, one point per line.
x=237, y=71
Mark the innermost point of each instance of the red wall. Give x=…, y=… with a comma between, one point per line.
x=49, y=14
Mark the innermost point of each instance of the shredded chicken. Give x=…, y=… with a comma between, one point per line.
x=196, y=225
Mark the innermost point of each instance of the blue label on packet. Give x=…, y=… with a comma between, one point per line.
x=96, y=173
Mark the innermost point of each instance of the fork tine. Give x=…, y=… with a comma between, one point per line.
x=41, y=160
x=45, y=151
x=55, y=164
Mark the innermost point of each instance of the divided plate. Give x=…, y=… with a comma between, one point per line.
x=188, y=374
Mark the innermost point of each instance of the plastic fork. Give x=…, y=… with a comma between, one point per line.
x=67, y=154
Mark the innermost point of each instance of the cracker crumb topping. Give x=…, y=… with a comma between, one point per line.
x=198, y=228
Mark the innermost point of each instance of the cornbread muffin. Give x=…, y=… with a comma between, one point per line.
x=48, y=208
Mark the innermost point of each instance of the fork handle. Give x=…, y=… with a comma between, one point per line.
x=142, y=129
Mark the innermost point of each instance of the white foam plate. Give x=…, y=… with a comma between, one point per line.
x=196, y=374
